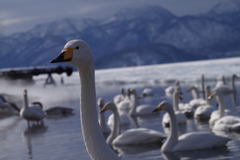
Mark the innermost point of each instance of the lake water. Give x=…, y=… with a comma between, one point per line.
x=60, y=138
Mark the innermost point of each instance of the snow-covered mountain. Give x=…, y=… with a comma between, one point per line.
x=141, y=36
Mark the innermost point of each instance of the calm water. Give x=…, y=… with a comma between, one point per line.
x=60, y=138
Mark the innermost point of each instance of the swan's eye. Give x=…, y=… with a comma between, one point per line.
x=77, y=47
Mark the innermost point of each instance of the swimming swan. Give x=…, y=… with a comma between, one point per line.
x=102, y=121
x=204, y=112
x=139, y=110
x=32, y=113
x=188, y=141
x=133, y=136
x=78, y=54
x=221, y=112
x=224, y=123
x=181, y=117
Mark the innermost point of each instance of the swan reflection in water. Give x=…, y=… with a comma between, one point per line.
x=31, y=133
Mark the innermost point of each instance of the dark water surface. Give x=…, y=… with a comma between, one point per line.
x=60, y=138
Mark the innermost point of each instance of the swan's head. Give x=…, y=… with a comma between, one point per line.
x=216, y=92
x=163, y=106
x=76, y=53
x=25, y=92
x=100, y=102
x=122, y=91
x=108, y=106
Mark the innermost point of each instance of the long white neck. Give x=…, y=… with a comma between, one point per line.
x=103, y=124
x=116, y=126
x=221, y=107
x=25, y=101
x=234, y=94
x=233, y=83
x=92, y=134
x=208, y=92
x=134, y=104
x=203, y=87
x=172, y=140
x=195, y=93
x=175, y=101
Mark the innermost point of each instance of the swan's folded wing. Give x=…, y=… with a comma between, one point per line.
x=200, y=140
x=139, y=136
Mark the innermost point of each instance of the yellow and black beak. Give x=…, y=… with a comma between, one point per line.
x=159, y=108
x=65, y=56
x=210, y=96
x=103, y=109
x=189, y=89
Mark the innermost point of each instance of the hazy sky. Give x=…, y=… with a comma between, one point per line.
x=21, y=15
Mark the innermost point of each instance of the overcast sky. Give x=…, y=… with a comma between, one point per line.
x=22, y=15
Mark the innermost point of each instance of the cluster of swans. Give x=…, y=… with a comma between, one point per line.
x=78, y=54
x=33, y=112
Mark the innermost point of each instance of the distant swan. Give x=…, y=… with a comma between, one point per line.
x=226, y=89
x=221, y=112
x=225, y=123
x=204, y=112
x=133, y=136
x=181, y=117
x=170, y=89
x=78, y=54
x=119, y=97
x=147, y=92
x=32, y=113
x=196, y=101
x=102, y=121
x=139, y=110
x=188, y=141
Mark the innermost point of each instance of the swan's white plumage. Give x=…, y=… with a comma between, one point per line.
x=188, y=141
x=133, y=136
x=147, y=92
x=139, y=110
x=78, y=54
x=32, y=113
x=124, y=119
x=138, y=136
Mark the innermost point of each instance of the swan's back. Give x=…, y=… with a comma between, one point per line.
x=145, y=109
x=138, y=136
x=199, y=140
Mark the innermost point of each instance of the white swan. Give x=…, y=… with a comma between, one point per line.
x=196, y=101
x=170, y=89
x=222, y=122
x=188, y=141
x=133, y=136
x=217, y=114
x=78, y=54
x=204, y=112
x=124, y=119
x=102, y=121
x=139, y=110
x=32, y=113
x=119, y=97
x=181, y=117
x=147, y=92
x=226, y=89
x=125, y=103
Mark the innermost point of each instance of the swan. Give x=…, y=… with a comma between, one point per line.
x=102, y=121
x=133, y=136
x=147, y=92
x=196, y=101
x=139, y=110
x=8, y=108
x=170, y=89
x=181, y=117
x=125, y=103
x=78, y=54
x=32, y=113
x=124, y=119
x=217, y=114
x=204, y=111
x=187, y=141
x=224, y=123
x=226, y=89
x=119, y=97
